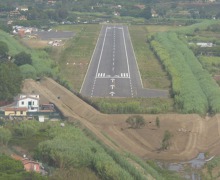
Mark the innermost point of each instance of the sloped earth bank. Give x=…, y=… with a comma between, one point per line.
x=191, y=133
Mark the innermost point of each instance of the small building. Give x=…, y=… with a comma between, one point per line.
x=29, y=165
x=41, y=118
x=31, y=102
x=15, y=111
x=204, y=44
x=24, y=8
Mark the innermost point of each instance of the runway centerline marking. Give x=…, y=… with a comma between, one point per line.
x=123, y=75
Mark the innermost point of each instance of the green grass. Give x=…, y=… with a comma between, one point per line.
x=40, y=59
x=74, y=58
x=152, y=73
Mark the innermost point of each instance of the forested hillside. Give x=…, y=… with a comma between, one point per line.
x=17, y=62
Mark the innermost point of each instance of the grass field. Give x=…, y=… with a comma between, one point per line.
x=152, y=73
x=73, y=59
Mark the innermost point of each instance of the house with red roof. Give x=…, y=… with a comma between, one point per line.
x=29, y=165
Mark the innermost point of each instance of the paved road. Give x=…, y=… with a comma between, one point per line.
x=113, y=71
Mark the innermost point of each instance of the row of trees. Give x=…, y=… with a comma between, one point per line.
x=193, y=89
x=206, y=82
x=69, y=147
x=188, y=96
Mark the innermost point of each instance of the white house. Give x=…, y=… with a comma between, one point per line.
x=204, y=44
x=31, y=102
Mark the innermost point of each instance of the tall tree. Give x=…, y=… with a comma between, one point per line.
x=22, y=58
x=10, y=81
x=146, y=13
x=5, y=136
x=3, y=51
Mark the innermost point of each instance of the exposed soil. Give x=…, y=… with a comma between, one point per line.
x=191, y=133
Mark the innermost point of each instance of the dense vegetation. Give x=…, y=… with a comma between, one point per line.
x=32, y=64
x=211, y=64
x=14, y=170
x=44, y=13
x=41, y=62
x=10, y=80
x=69, y=148
x=193, y=88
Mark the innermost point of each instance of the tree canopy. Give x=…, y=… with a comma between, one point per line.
x=3, y=51
x=10, y=80
x=136, y=121
x=9, y=165
x=22, y=58
x=5, y=136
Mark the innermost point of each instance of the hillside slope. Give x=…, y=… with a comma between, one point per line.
x=191, y=133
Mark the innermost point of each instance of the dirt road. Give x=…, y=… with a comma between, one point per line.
x=191, y=133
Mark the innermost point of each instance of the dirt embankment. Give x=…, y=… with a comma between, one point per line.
x=191, y=133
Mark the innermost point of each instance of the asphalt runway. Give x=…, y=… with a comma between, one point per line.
x=113, y=70
x=51, y=35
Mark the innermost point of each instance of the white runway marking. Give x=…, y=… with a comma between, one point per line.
x=101, y=51
x=126, y=52
x=122, y=75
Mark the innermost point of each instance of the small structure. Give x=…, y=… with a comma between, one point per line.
x=24, y=8
x=204, y=44
x=31, y=102
x=41, y=118
x=15, y=111
x=29, y=165
x=47, y=107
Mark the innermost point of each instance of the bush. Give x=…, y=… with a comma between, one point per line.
x=166, y=140
x=5, y=136
x=28, y=71
x=22, y=58
x=136, y=121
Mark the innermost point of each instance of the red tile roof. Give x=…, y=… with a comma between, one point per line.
x=15, y=109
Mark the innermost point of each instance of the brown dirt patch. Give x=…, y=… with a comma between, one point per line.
x=191, y=133
x=35, y=43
